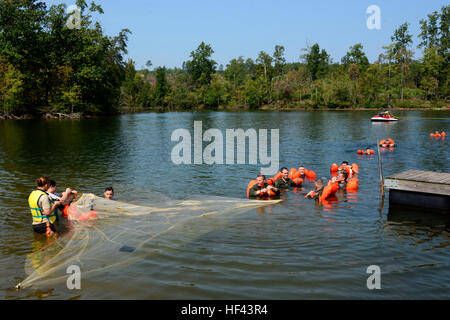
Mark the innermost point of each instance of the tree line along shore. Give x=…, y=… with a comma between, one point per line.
x=50, y=70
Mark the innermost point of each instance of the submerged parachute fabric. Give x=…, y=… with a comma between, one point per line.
x=122, y=234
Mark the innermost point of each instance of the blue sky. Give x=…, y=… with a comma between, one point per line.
x=165, y=32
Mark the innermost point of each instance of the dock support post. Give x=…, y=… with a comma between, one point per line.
x=380, y=167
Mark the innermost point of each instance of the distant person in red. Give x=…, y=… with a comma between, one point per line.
x=387, y=143
x=368, y=151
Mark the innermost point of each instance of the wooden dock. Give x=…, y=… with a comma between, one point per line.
x=425, y=189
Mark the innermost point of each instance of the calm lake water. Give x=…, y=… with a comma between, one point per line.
x=292, y=250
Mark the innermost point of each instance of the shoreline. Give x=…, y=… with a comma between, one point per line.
x=79, y=116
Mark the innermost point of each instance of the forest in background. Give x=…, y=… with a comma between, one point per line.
x=48, y=68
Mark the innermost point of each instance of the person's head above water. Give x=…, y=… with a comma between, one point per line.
x=52, y=186
x=284, y=173
x=344, y=163
x=342, y=176
x=319, y=184
x=43, y=183
x=109, y=193
x=261, y=179
x=301, y=169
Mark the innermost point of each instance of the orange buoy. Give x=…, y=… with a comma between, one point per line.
x=431, y=134
x=372, y=151
x=88, y=215
x=360, y=152
x=334, y=167
x=93, y=214
x=329, y=191
x=298, y=181
x=65, y=211
x=382, y=142
x=352, y=184
x=292, y=173
x=437, y=134
x=270, y=181
x=355, y=167
x=443, y=134
x=277, y=176
x=310, y=174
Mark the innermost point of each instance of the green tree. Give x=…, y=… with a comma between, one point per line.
x=201, y=67
x=430, y=31
x=356, y=55
x=11, y=87
x=279, y=60
x=264, y=66
x=251, y=68
x=354, y=75
x=63, y=69
x=316, y=60
x=217, y=92
x=162, y=86
x=401, y=40
x=236, y=71
x=435, y=41
x=399, y=51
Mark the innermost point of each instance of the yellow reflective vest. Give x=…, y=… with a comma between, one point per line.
x=37, y=212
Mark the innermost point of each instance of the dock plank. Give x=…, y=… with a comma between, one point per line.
x=423, y=176
x=420, y=188
x=420, y=181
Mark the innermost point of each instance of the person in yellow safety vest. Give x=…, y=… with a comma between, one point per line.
x=43, y=208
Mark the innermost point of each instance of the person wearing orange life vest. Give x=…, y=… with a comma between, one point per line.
x=301, y=171
x=348, y=168
x=43, y=208
x=261, y=188
x=368, y=151
x=341, y=179
x=315, y=194
x=387, y=143
x=284, y=182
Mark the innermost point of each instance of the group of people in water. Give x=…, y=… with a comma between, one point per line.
x=344, y=177
x=47, y=206
x=438, y=135
x=384, y=143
